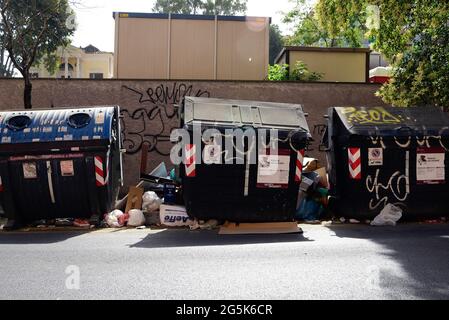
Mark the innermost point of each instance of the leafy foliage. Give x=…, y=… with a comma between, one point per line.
x=278, y=72
x=33, y=29
x=412, y=34
x=219, y=7
x=310, y=31
x=300, y=72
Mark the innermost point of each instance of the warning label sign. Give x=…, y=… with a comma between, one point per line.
x=67, y=168
x=274, y=170
x=430, y=167
x=375, y=157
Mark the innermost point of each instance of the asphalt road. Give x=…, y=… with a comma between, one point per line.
x=337, y=262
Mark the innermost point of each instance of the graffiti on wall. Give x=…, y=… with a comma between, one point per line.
x=155, y=117
x=321, y=131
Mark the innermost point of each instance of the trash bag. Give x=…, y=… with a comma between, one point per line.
x=309, y=210
x=388, y=216
x=151, y=202
x=114, y=219
x=136, y=218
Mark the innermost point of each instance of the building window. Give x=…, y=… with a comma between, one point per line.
x=34, y=75
x=95, y=75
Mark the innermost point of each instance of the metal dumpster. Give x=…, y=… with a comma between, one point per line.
x=59, y=163
x=249, y=184
x=386, y=155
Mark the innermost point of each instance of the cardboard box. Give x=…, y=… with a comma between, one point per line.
x=174, y=216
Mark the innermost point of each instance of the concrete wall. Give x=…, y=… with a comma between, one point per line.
x=154, y=46
x=149, y=114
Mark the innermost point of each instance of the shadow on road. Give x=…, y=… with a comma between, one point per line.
x=19, y=238
x=422, y=251
x=186, y=238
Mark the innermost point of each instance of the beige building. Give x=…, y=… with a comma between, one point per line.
x=79, y=63
x=336, y=64
x=172, y=46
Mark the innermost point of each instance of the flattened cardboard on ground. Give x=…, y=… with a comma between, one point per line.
x=260, y=228
x=134, y=199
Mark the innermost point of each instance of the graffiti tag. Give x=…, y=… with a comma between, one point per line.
x=376, y=115
x=154, y=119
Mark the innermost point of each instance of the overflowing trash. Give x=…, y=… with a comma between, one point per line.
x=115, y=219
x=389, y=216
x=151, y=202
x=313, y=192
x=136, y=218
x=174, y=216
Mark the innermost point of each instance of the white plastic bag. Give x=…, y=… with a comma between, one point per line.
x=150, y=202
x=388, y=216
x=136, y=218
x=113, y=219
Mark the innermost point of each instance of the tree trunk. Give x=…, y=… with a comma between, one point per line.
x=27, y=91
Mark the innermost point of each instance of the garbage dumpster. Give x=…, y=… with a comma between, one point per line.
x=59, y=163
x=386, y=155
x=232, y=173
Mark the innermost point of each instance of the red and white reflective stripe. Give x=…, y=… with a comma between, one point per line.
x=299, y=165
x=355, y=163
x=1, y=185
x=99, y=172
x=190, y=161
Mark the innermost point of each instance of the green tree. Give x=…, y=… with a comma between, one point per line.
x=412, y=34
x=6, y=66
x=211, y=7
x=310, y=31
x=276, y=42
x=32, y=30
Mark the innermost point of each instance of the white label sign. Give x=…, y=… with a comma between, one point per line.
x=29, y=170
x=430, y=167
x=375, y=157
x=67, y=168
x=212, y=154
x=273, y=171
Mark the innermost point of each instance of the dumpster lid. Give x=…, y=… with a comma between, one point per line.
x=393, y=120
x=82, y=124
x=241, y=112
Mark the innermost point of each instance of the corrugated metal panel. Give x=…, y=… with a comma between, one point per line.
x=55, y=125
x=241, y=112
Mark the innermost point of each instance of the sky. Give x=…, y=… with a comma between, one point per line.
x=96, y=25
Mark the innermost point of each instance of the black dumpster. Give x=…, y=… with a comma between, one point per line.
x=239, y=178
x=59, y=163
x=386, y=155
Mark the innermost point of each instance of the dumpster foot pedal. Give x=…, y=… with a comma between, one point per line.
x=260, y=228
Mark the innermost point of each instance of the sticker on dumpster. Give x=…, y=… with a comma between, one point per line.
x=430, y=168
x=99, y=119
x=212, y=154
x=274, y=170
x=29, y=170
x=375, y=157
x=67, y=168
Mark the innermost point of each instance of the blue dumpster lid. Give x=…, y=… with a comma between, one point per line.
x=82, y=124
x=393, y=120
